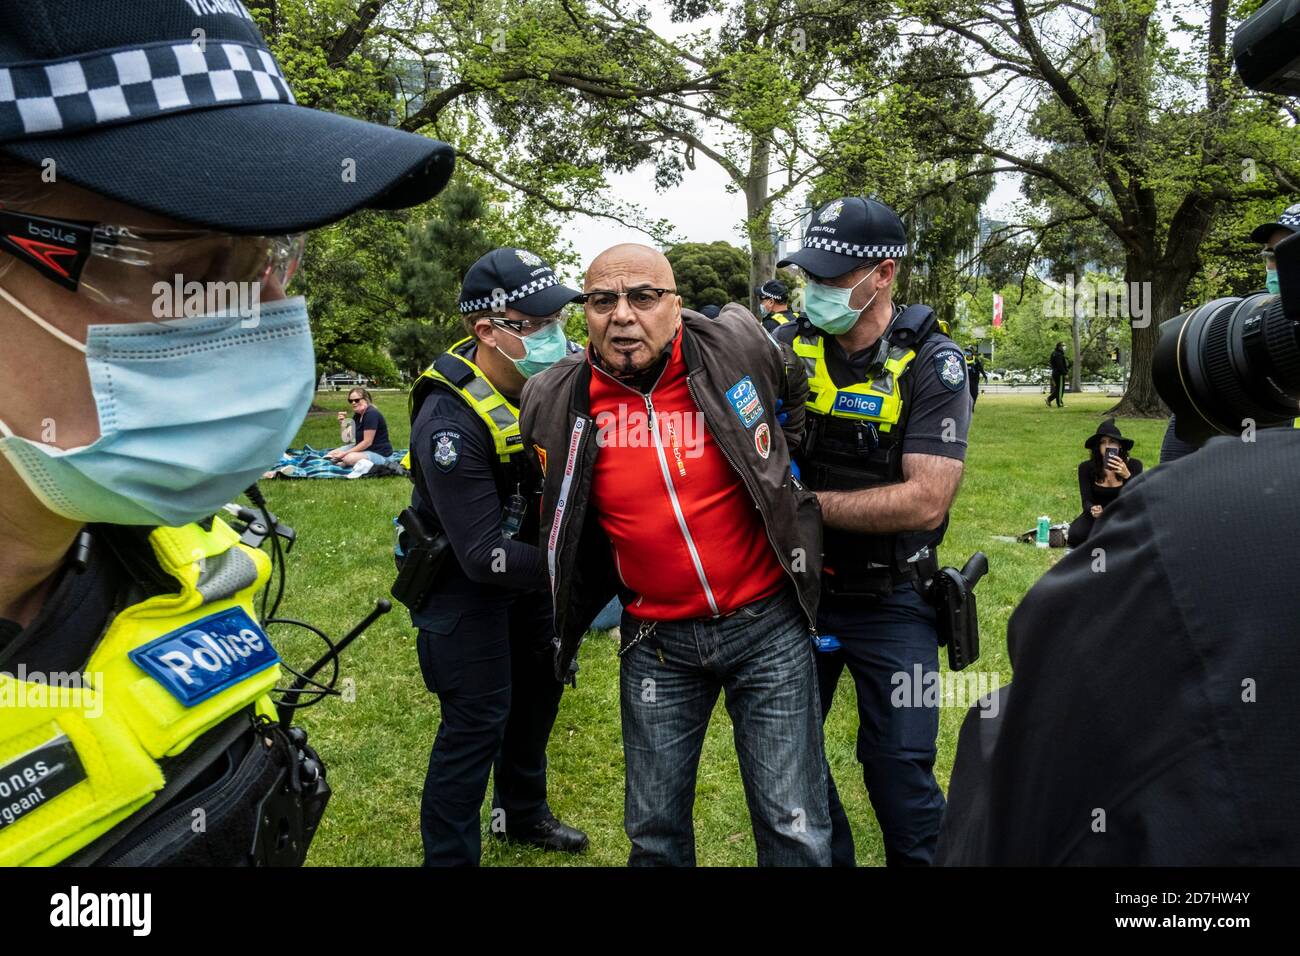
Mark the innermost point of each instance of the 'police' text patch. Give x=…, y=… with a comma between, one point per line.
x=744, y=399
x=206, y=657
x=31, y=780
x=855, y=403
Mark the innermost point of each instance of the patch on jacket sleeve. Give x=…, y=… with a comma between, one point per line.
x=446, y=450
x=743, y=397
x=951, y=369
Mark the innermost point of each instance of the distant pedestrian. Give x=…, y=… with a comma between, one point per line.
x=1060, y=365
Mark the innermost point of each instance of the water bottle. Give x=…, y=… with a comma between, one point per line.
x=1044, y=531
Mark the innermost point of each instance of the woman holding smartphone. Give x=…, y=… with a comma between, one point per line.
x=1101, y=477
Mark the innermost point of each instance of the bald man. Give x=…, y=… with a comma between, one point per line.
x=670, y=434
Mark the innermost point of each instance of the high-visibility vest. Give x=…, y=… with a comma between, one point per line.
x=878, y=400
x=455, y=370
x=75, y=761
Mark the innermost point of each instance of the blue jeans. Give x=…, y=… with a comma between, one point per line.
x=374, y=456
x=761, y=658
x=896, y=744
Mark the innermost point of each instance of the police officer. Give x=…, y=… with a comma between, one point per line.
x=485, y=641
x=974, y=369
x=884, y=447
x=130, y=155
x=774, y=305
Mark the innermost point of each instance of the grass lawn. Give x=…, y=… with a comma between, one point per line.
x=1021, y=464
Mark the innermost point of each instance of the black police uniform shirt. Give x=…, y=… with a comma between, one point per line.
x=936, y=408
x=69, y=624
x=372, y=419
x=1151, y=718
x=457, y=486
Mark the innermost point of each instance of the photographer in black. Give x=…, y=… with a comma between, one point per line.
x=1101, y=476
x=1151, y=717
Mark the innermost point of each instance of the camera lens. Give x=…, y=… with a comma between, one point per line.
x=1227, y=361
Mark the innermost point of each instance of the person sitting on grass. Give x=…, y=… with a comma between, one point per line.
x=369, y=424
x=1101, y=477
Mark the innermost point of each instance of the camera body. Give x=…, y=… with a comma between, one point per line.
x=1235, y=362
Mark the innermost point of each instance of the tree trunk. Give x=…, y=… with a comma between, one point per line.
x=758, y=212
x=1076, y=373
x=1168, y=288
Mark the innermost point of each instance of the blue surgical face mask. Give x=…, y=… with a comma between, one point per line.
x=828, y=307
x=1272, y=282
x=190, y=414
x=541, y=349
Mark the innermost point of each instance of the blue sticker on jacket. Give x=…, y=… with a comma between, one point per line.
x=744, y=399
x=204, y=658
x=951, y=369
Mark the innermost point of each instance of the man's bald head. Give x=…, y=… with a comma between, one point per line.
x=637, y=264
x=629, y=339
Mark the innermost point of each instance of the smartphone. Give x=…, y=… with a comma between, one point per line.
x=1111, y=455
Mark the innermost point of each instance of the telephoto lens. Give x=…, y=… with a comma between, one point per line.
x=1227, y=361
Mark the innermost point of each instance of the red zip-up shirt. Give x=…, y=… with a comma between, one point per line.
x=687, y=537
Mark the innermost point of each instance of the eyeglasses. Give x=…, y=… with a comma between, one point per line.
x=642, y=300
x=355, y=401
x=527, y=327
x=1268, y=255
x=124, y=266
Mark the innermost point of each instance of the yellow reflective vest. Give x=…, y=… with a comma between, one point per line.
x=455, y=370
x=79, y=754
x=878, y=400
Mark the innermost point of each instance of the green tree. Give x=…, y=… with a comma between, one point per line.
x=712, y=273
x=1151, y=142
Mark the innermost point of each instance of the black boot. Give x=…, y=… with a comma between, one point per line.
x=549, y=833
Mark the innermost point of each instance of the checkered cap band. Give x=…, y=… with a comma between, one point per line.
x=525, y=290
x=855, y=249
x=1290, y=218
x=129, y=85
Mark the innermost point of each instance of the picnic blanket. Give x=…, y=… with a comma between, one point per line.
x=308, y=462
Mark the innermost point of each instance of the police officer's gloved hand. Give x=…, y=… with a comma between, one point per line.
x=781, y=416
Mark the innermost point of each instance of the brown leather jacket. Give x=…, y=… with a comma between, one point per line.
x=557, y=427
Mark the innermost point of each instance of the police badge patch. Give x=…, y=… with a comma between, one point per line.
x=831, y=212
x=951, y=368
x=446, y=450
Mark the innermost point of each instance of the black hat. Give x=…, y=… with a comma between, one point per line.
x=177, y=107
x=1289, y=220
x=774, y=289
x=844, y=232
x=710, y=311
x=1107, y=429
x=515, y=278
